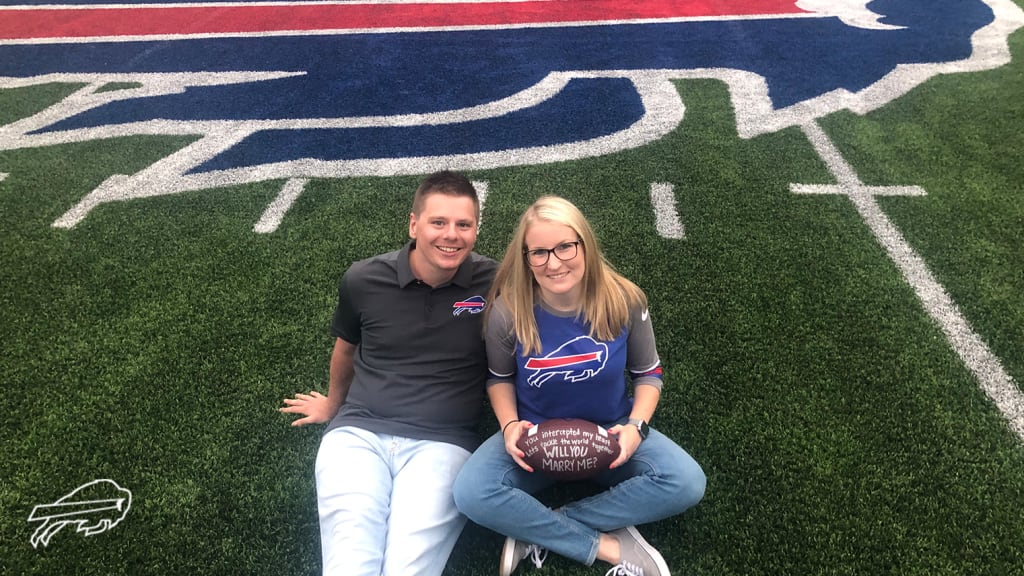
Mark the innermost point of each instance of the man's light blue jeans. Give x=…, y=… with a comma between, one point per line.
x=385, y=502
x=659, y=481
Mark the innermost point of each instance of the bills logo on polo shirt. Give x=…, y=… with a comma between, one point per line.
x=473, y=305
x=297, y=90
x=577, y=359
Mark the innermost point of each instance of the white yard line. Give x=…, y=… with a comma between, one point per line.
x=481, y=193
x=666, y=216
x=985, y=366
x=274, y=213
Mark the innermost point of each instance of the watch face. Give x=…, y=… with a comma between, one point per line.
x=641, y=427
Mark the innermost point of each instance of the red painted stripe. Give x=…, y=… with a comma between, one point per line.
x=153, y=20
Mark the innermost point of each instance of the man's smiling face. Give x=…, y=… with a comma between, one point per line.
x=445, y=232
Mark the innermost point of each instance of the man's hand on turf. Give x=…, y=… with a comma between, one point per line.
x=313, y=406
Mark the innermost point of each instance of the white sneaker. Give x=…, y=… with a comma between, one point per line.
x=636, y=556
x=514, y=551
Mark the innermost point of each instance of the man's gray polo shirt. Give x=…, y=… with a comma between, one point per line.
x=420, y=365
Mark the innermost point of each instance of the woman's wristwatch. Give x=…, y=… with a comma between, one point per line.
x=641, y=427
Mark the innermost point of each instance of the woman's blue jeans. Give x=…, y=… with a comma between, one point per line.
x=659, y=481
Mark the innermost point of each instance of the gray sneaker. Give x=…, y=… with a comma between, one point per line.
x=514, y=551
x=636, y=556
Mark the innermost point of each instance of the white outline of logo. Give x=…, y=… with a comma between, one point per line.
x=81, y=513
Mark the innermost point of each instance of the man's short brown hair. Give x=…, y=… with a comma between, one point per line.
x=448, y=183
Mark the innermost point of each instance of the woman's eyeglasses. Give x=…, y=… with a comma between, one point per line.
x=564, y=251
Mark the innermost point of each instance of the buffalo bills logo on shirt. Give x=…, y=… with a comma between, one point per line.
x=473, y=305
x=577, y=359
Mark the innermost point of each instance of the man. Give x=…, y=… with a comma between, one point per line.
x=406, y=388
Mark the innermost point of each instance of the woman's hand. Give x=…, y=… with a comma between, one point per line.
x=629, y=440
x=512, y=432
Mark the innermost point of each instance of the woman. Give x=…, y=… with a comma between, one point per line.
x=554, y=291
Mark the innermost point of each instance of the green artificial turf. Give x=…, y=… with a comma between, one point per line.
x=841, y=434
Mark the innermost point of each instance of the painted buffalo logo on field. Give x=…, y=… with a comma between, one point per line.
x=312, y=90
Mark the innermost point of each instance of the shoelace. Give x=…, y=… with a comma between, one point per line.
x=625, y=569
x=536, y=554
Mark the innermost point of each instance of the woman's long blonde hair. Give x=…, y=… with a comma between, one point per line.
x=607, y=296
